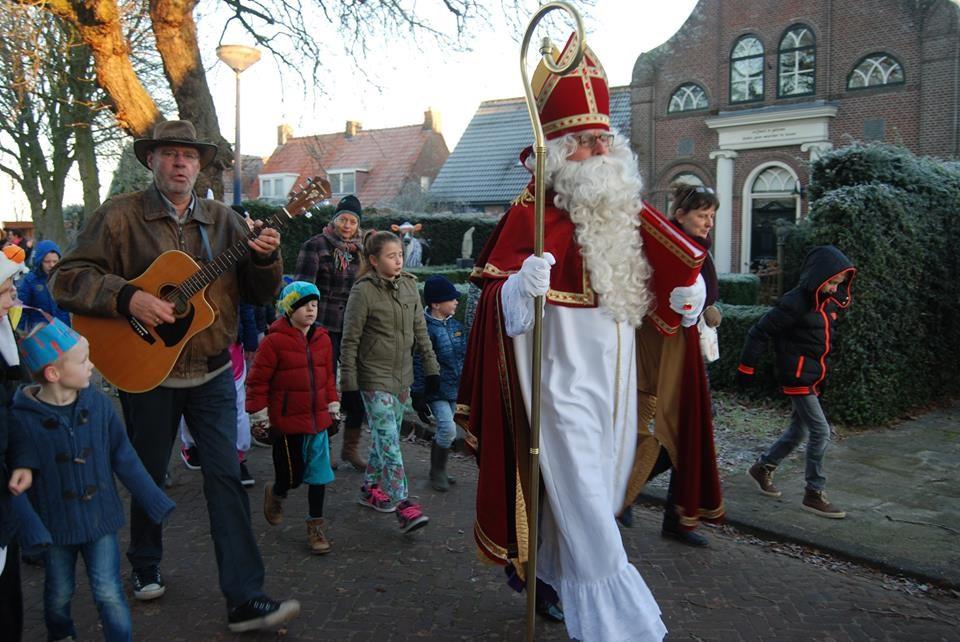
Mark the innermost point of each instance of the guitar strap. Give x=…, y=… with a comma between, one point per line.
x=205, y=240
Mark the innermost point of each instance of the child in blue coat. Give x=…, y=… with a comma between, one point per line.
x=80, y=444
x=449, y=339
x=33, y=292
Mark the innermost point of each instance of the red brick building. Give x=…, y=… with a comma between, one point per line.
x=377, y=165
x=747, y=93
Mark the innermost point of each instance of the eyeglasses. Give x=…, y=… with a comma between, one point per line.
x=591, y=140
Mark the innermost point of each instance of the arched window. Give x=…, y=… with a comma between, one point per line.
x=687, y=97
x=773, y=197
x=798, y=56
x=875, y=70
x=746, y=70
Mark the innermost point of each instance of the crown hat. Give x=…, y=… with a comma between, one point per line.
x=577, y=101
x=47, y=343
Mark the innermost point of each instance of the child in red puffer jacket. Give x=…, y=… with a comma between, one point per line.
x=292, y=377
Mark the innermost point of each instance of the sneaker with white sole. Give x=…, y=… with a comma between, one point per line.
x=815, y=501
x=148, y=583
x=245, y=477
x=376, y=499
x=410, y=516
x=261, y=613
x=190, y=457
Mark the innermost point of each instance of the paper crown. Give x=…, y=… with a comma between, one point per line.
x=11, y=261
x=575, y=102
x=46, y=343
x=295, y=295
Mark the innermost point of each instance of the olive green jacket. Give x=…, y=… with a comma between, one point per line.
x=381, y=325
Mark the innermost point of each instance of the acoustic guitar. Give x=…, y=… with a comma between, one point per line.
x=136, y=357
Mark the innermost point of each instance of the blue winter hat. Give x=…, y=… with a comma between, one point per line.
x=296, y=294
x=438, y=289
x=47, y=343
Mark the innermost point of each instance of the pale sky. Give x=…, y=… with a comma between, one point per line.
x=410, y=79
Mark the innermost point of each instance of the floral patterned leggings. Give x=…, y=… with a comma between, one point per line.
x=385, y=463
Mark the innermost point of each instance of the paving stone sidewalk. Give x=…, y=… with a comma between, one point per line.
x=380, y=585
x=898, y=486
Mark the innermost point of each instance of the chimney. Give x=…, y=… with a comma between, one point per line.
x=352, y=129
x=431, y=120
x=284, y=133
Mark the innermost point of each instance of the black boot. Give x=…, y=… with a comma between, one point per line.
x=438, y=468
x=671, y=523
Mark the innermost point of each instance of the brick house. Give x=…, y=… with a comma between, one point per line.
x=378, y=165
x=747, y=93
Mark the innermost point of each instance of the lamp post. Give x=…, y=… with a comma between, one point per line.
x=238, y=58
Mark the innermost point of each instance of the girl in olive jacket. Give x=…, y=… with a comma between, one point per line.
x=382, y=324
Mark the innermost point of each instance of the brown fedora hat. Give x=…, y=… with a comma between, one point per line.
x=174, y=132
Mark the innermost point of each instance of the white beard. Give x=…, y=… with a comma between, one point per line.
x=602, y=196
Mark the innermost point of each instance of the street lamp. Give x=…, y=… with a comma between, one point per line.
x=238, y=58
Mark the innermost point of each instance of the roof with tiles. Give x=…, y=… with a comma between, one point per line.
x=384, y=159
x=484, y=168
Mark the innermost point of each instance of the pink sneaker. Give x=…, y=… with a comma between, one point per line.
x=410, y=516
x=376, y=499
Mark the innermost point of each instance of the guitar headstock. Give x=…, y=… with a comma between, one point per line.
x=303, y=198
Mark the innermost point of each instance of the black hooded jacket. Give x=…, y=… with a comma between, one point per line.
x=801, y=323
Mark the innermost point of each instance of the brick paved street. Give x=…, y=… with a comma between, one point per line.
x=380, y=585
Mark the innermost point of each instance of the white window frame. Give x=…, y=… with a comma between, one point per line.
x=688, y=97
x=874, y=62
x=268, y=184
x=747, y=197
x=790, y=46
x=744, y=60
x=336, y=176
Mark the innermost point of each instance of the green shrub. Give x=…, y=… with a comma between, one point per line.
x=443, y=232
x=737, y=320
x=739, y=289
x=891, y=213
x=453, y=273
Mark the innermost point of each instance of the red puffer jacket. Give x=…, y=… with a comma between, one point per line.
x=292, y=376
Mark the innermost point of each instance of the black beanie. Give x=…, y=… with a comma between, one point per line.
x=349, y=203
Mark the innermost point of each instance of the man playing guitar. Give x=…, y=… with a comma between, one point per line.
x=117, y=244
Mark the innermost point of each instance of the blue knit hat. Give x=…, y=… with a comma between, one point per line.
x=438, y=289
x=47, y=343
x=295, y=295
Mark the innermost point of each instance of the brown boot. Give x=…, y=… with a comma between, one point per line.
x=350, y=452
x=815, y=501
x=763, y=474
x=272, y=506
x=316, y=540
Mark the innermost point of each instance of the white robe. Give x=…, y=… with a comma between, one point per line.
x=587, y=440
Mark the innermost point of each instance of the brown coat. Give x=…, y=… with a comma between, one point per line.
x=124, y=236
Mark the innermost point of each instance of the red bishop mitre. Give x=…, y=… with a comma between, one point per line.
x=575, y=102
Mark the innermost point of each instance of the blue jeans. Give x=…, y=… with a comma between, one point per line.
x=210, y=410
x=102, y=559
x=807, y=418
x=446, y=430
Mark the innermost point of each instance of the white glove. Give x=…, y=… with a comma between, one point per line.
x=535, y=274
x=688, y=301
x=259, y=417
x=334, y=409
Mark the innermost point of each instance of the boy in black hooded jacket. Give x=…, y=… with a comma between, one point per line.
x=801, y=325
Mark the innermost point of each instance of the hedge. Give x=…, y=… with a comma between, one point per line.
x=739, y=289
x=892, y=213
x=452, y=273
x=444, y=232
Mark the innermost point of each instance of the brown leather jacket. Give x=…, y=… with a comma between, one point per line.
x=124, y=236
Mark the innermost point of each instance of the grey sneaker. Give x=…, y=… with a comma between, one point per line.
x=763, y=474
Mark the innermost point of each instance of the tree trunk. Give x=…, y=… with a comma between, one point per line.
x=176, y=34
x=85, y=152
x=98, y=22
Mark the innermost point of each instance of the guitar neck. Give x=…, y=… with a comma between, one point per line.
x=210, y=272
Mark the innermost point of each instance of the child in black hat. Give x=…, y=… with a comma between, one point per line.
x=449, y=339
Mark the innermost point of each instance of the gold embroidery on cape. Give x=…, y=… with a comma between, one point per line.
x=689, y=261
x=525, y=197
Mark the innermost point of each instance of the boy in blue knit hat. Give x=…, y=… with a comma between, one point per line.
x=449, y=340
x=80, y=444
